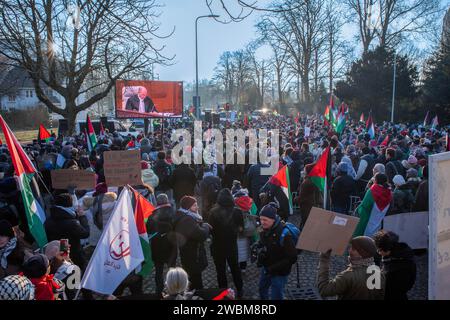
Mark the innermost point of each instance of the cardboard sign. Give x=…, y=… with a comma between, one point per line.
x=326, y=230
x=81, y=179
x=411, y=227
x=122, y=168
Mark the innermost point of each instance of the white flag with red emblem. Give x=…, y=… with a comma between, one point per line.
x=118, y=251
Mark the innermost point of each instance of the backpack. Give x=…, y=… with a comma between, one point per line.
x=250, y=224
x=293, y=230
x=163, y=173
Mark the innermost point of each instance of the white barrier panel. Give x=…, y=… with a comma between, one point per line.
x=439, y=253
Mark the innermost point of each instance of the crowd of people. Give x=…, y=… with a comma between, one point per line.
x=229, y=209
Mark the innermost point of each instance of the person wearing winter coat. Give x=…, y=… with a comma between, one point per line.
x=226, y=222
x=46, y=287
x=276, y=254
x=295, y=170
x=398, y=265
x=163, y=241
x=163, y=170
x=421, y=203
x=309, y=196
x=148, y=176
x=394, y=166
x=13, y=250
x=61, y=266
x=233, y=172
x=182, y=181
x=342, y=189
x=191, y=232
x=255, y=181
x=351, y=284
x=145, y=146
x=413, y=180
x=378, y=168
x=98, y=209
x=210, y=186
x=403, y=197
x=66, y=223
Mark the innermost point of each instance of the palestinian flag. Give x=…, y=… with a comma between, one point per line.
x=25, y=171
x=44, y=135
x=361, y=118
x=370, y=127
x=427, y=119
x=142, y=211
x=372, y=210
x=246, y=120
x=341, y=122
x=281, y=179
x=91, y=137
x=435, y=122
x=319, y=172
x=326, y=115
x=102, y=130
x=385, y=141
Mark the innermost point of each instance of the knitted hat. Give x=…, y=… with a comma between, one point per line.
x=187, y=202
x=379, y=167
x=6, y=229
x=412, y=173
x=398, y=180
x=365, y=246
x=144, y=165
x=100, y=189
x=16, y=287
x=412, y=160
x=36, y=266
x=268, y=211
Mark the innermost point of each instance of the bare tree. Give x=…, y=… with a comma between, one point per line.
x=61, y=45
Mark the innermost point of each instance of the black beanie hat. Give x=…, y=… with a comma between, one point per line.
x=6, y=229
x=269, y=211
x=36, y=266
x=365, y=246
x=63, y=200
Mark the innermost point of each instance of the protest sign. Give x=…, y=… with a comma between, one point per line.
x=326, y=230
x=122, y=168
x=65, y=178
x=411, y=227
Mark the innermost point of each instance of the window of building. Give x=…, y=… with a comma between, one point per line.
x=12, y=98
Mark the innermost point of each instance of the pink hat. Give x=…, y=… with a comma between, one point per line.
x=412, y=160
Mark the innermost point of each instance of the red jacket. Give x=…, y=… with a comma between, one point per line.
x=45, y=287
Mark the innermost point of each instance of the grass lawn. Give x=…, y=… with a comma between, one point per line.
x=23, y=136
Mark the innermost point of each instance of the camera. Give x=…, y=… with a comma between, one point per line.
x=258, y=254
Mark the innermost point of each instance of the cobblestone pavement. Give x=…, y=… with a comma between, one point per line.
x=307, y=263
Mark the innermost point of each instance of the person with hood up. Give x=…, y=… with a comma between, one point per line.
x=351, y=284
x=182, y=181
x=378, y=168
x=403, y=197
x=413, y=180
x=37, y=269
x=67, y=223
x=13, y=250
x=99, y=207
x=226, y=221
x=394, y=166
x=148, y=176
x=342, y=189
x=398, y=265
x=191, y=232
x=163, y=242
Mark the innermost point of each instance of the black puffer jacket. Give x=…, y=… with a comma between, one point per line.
x=183, y=181
x=163, y=170
x=190, y=236
x=163, y=244
x=278, y=258
x=400, y=271
x=225, y=220
x=342, y=189
x=62, y=225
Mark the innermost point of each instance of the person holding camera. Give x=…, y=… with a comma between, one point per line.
x=275, y=254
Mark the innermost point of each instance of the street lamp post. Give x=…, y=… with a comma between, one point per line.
x=393, y=88
x=196, y=98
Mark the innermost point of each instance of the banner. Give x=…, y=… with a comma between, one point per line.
x=122, y=168
x=326, y=230
x=148, y=99
x=65, y=178
x=411, y=227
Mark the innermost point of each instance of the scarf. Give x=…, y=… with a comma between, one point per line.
x=6, y=251
x=361, y=262
x=194, y=215
x=70, y=211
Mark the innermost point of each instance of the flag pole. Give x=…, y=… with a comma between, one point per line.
x=325, y=195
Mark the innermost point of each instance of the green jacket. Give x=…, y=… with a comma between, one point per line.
x=350, y=284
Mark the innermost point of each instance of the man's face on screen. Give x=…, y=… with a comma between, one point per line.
x=142, y=93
